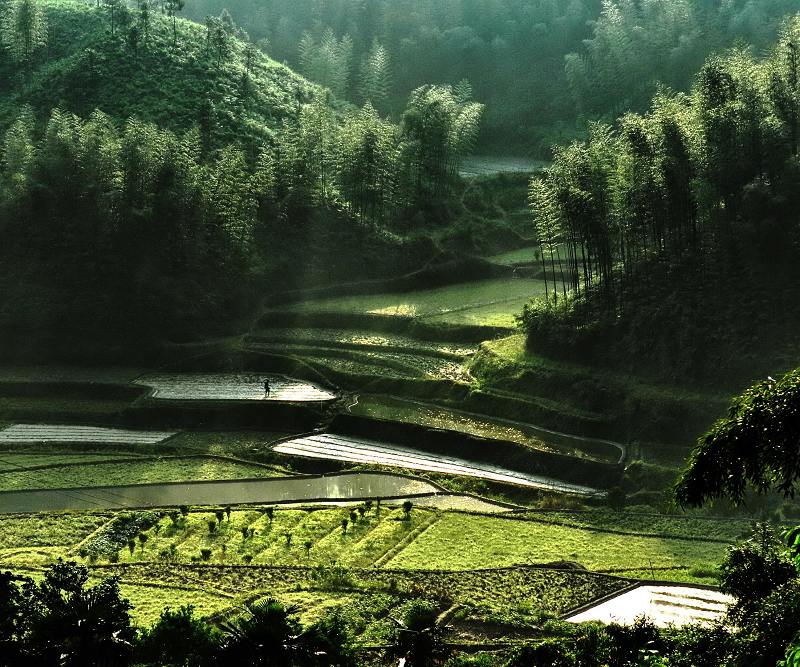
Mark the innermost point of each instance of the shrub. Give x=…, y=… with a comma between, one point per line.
x=118, y=533
x=178, y=638
x=205, y=554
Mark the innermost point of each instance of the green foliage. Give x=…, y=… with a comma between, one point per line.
x=658, y=225
x=419, y=637
x=118, y=533
x=582, y=59
x=375, y=83
x=754, y=569
x=62, y=621
x=755, y=445
x=23, y=29
x=439, y=129
x=178, y=639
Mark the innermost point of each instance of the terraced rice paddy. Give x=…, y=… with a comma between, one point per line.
x=388, y=363
x=467, y=542
x=354, y=486
x=55, y=433
x=71, y=374
x=484, y=303
x=361, y=340
x=359, y=450
x=232, y=387
x=109, y=473
x=13, y=461
x=664, y=605
x=393, y=408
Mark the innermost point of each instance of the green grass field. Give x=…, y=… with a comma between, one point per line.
x=26, y=407
x=112, y=474
x=413, y=412
x=370, y=569
x=13, y=461
x=486, y=302
x=429, y=540
x=519, y=256
x=463, y=542
x=48, y=530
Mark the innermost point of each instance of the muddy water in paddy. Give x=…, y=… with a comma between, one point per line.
x=332, y=487
x=232, y=387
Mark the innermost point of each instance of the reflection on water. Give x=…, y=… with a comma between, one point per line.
x=233, y=387
x=333, y=487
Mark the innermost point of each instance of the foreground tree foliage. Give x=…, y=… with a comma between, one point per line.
x=62, y=621
x=757, y=445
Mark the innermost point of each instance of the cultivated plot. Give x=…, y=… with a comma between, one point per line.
x=359, y=450
x=486, y=302
x=461, y=542
x=66, y=433
x=664, y=605
x=105, y=473
x=233, y=387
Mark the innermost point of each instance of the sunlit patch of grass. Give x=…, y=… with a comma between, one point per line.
x=146, y=472
x=465, y=542
x=487, y=302
x=44, y=530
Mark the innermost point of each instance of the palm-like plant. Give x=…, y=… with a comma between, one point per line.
x=266, y=635
x=419, y=636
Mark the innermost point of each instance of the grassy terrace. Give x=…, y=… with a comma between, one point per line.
x=484, y=303
x=14, y=461
x=518, y=598
x=461, y=542
x=111, y=474
x=428, y=540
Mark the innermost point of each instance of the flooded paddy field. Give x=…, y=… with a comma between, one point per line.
x=359, y=450
x=68, y=433
x=346, y=486
x=664, y=605
x=232, y=387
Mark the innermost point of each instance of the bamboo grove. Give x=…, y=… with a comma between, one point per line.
x=171, y=225
x=676, y=195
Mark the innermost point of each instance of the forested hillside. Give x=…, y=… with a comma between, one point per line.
x=159, y=175
x=542, y=67
x=131, y=62
x=676, y=235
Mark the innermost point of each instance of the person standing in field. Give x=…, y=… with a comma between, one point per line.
x=267, y=389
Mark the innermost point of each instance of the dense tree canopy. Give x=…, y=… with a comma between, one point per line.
x=654, y=225
x=553, y=64
x=757, y=445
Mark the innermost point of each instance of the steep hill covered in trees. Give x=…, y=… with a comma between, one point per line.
x=131, y=62
x=159, y=177
x=542, y=67
x=678, y=231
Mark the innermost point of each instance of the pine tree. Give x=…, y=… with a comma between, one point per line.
x=375, y=79
x=24, y=29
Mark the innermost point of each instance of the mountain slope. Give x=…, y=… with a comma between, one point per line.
x=84, y=67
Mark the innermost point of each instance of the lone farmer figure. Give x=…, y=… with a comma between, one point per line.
x=266, y=388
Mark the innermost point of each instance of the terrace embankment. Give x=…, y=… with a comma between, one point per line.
x=500, y=453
